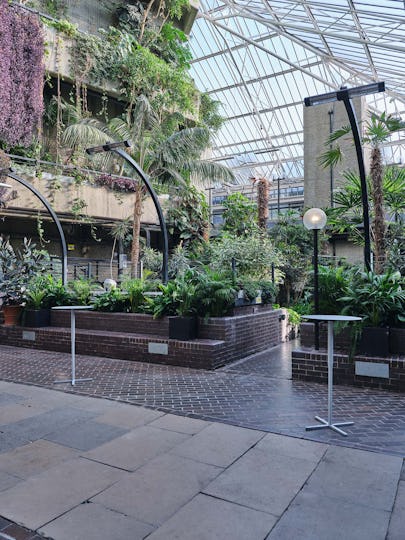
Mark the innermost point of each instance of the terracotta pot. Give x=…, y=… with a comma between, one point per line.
x=12, y=315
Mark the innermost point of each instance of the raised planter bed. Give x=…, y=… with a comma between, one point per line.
x=362, y=371
x=133, y=336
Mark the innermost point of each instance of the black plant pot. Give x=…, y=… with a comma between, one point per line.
x=183, y=328
x=374, y=341
x=35, y=318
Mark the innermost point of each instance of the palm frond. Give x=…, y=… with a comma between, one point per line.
x=204, y=172
x=331, y=157
x=338, y=134
x=86, y=132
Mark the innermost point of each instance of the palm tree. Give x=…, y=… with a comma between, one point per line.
x=378, y=130
x=346, y=215
x=168, y=154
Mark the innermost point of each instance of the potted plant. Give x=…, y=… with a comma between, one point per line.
x=17, y=267
x=42, y=293
x=379, y=299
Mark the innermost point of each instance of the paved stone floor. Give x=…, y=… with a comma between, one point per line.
x=255, y=393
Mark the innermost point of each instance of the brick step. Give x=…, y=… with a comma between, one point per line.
x=199, y=353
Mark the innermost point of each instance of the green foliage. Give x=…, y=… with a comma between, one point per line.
x=215, y=294
x=17, y=268
x=81, y=291
x=209, y=112
x=187, y=215
x=179, y=261
x=240, y=215
x=62, y=25
x=253, y=255
x=295, y=245
x=134, y=292
x=378, y=299
x=268, y=291
x=294, y=318
x=56, y=293
x=111, y=301
x=152, y=260
x=333, y=285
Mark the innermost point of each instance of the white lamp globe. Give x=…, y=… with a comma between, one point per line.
x=314, y=218
x=109, y=284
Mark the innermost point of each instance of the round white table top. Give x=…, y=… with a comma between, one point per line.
x=72, y=307
x=331, y=318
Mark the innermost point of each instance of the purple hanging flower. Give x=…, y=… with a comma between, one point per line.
x=21, y=75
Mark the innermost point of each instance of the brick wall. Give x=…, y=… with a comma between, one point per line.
x=312, y=366
x=221, y=340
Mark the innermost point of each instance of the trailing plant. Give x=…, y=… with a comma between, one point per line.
x=125, y=185
x=262, y=202
x=21, y=74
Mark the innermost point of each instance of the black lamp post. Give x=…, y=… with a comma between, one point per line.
x=10, y=173
x=346, y=95
x=315, y=219
x=116, y=147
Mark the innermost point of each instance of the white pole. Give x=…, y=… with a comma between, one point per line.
x=73, y=343
x=330, y=371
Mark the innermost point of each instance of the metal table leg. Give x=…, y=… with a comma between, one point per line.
x=329, y=423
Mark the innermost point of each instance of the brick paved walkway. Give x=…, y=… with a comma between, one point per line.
x=256, y=393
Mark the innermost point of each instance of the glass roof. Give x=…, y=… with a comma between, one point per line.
x=261, y=58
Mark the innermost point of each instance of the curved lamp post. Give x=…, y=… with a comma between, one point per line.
x=346, y=95
x=116, y=148
x=10, y=173
x=315, y=220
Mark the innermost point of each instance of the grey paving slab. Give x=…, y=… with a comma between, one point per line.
x=396, y=530
x=14, y=413
x=136, y=448
x=370, y=461
x=206, y=518
x=181, y=424
x=34, y=458
x=44, y=497
x=128, y=417
x=219, y=444
x=9, y=441
x=293, y=447
x=7, y=481
x=36, y=427
x=94, y=522
x=86, y=435
x=354, y=484
x=157, y=490
x=6, y=399
x=316, y=517
x=263, y=481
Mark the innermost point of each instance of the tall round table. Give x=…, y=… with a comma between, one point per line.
x=330, y=319
x=73, y=310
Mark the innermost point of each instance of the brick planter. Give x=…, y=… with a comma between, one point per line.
x=343, y=338
x=133, y=336
x=362, y=371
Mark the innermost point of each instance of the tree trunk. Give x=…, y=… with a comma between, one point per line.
x=376, y=171
x=136, y=230
x=263, y=202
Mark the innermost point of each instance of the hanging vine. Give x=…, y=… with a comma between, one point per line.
x=21, y=75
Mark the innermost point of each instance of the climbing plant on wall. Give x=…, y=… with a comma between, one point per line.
x=21, y=75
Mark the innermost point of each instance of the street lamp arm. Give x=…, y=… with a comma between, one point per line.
x=55, y=218
x=344, y=96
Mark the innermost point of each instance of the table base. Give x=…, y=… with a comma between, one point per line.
x=326, y=424
x=71, y=381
